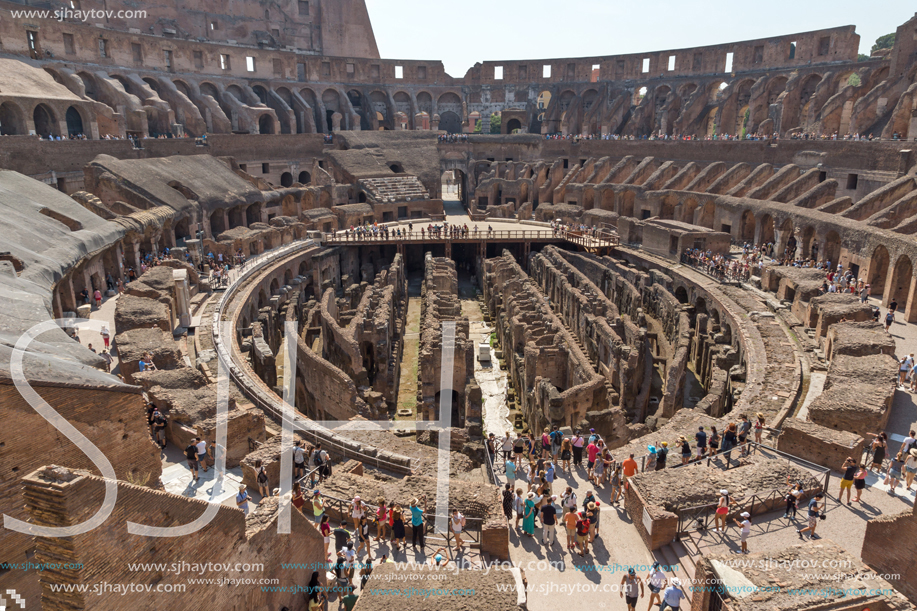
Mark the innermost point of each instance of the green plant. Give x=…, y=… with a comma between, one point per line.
x=478, y=126
x=854, y=80
x=495, y=123
x=884, y=42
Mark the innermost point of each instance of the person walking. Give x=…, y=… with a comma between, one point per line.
x=893, y=477
x=191, y=455
x=685, y=449
x=701, y=438
x=849, y=468
x=656, y=581
x=714, y=441
x=630, y=585
x=201, y=446
x=630, y=468
x=662, y=454
x=381, y=520
x=510, y=470
x=792, y=498
x=518, y=506
x=508, y=502
x=814, y=514
x=566, y=453
x=905, y=366
x=879, y=444
x=745, y=525
x=672, y=595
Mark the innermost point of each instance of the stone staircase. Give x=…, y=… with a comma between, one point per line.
x=393, y=189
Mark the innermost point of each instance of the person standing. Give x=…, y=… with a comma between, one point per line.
x=616, y=492
x=570, y=519
x=299, y=460
x=566, y=453
x=893, y=478
x=528, y=517
x=417, y=522
x=357, y=512
x=701, y=438
x=630, y=584
x=510, y=467
x=904, y=369
x=262, y=479
x=859, y=480
x=814, y=513
x=518, y=506
x=457, y=524
x=318, y=506
x=630, y=468
x=685, y=449
x=745, y=525
x=792, y=498
x=242, y=499
x=549, y=522
x=849, y=468
x=759, y=427
x=159, y=428
x=518, y=449
x=714, y=441
x=577, y=443
x=743, y=429
x=106, y=336
x=722, y=508
x=398, y=528
x=582, y=533
x=661, y=455
x=878, y=451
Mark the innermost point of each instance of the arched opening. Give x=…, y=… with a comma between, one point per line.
x=627, y=203
x=457, y=411
x=74, y=122
x=217, y=224
x=253, y=214
x=182, y=230
x=681, y=294
x=687, y=213
x=275, y=286
x=236, y=217
x=901, y=282
x=332, y=101
x=369, y=361
x=396, y=168
x=286, y=179
x=809, y=244
x=304, y=178
x=261, y=92
x=708, y=215
x=45, y=123
x=450, y=122
x=265, y=124
x=787, y=242
x=12, y=122
x=767, y=229
x=667, y=210
x=361, y=198
x=513, y=126
x=748, y=226
x=878, y=270
x=832, y=248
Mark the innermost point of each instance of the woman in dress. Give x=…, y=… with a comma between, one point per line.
x=528, y=516
x=878, y=451
x=298, y=500
x=325, y=529
x=397, y=527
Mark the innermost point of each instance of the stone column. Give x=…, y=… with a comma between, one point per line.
x=182, y=297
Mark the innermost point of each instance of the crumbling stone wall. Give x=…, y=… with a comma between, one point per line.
x=61, y=497
x=885, y=549
x=858, y=394
x=553, y=376
x=818, y=444
x=112, y=418
x=439, y=304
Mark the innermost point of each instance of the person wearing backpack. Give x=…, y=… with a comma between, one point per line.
x=299, y=460
x=578, y=444
x=582, y=534
x=191, y=455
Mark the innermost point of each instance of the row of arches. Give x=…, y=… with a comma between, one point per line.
x=45, y=121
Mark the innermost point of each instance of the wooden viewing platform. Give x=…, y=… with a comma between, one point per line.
x=599, y=244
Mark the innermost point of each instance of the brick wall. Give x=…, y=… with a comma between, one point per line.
x=664, y=523
x=888, y=548
x=59, y=497
x=113, y=420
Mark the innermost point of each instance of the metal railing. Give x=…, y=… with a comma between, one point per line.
x=699, y=517
x=423, y=236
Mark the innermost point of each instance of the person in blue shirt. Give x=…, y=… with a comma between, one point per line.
x=672, y=595
x=417, y=523
x=510, y=471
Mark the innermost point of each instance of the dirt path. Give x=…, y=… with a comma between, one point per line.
x=407, y=387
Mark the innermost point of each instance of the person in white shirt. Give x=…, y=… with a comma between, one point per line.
x=656, y=580
x=457, y=523
x=201, y=452
x=242, y=499
x=745, y=525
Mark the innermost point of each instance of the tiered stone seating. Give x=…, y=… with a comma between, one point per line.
x=394, y=189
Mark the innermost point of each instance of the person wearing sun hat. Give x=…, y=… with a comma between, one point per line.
x=745, y=525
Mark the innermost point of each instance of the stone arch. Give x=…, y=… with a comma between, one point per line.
x=628, y=198
x=304, y=178
x=450, y=122
x=275, y=286
x=512, y=125
x=286, y=179
x=236, y=92
x=182, y=87
x=331, y=99
x=266, y=124
x=425, y=102
x=667, y=210
x=747, y=231
x=45, y=120
x=12, y=120
x=74, y=120
x=261, y=92
x=767, y=230
x=787, y=242
x=688, y=210
x=253, y=214
x=217, y=223
x=707, y=215
x=878, y=270
x=681, y=294
x=832, y=250
x=809, y=244
x=902, y=276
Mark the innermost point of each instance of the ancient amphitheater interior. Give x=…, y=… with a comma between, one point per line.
x=233, y=236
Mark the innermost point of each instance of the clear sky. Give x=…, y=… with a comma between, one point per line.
x=468, y=31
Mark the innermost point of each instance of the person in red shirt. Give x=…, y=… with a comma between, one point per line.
x=582, y=533
x=592, y=450
x=630, y=469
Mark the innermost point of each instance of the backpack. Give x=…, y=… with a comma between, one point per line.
x=317, y=458
x=582, y=525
